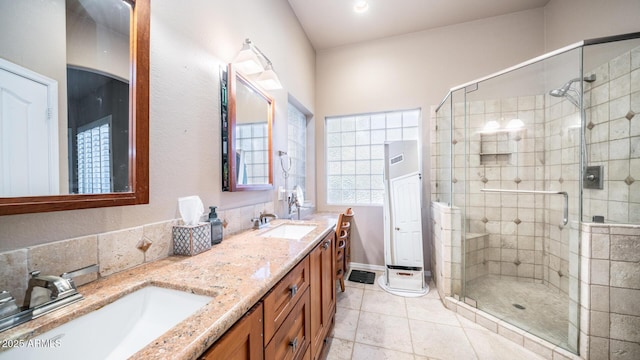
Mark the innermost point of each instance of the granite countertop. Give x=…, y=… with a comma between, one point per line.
x=236, y=273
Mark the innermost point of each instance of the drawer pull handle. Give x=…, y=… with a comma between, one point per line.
x=326, y=244
x=294, y=344
x=294, y=290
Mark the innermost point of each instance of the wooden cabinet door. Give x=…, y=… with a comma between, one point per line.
x=323, y=292
x=243, y=341
x=291, y=341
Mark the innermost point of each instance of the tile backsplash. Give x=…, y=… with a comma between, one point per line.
x=114, y=251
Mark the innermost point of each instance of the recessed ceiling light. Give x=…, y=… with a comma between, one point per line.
x=361, y=6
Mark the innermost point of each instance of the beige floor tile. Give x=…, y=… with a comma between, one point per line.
x=389, y=332
x=351, y=284
x=346, y=324
x=373, y=287
x=429, y=309
x=440, y=341
x=433, y=291
x=368, y=352
x=339, y=349
x=370, y=326
x=490, y=346
x=351, y=298
x=382, y=302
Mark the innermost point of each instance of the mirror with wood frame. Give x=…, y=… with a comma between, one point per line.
x=75, y=84
x=247, y=118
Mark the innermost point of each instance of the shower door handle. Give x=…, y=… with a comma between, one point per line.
x=397, y=229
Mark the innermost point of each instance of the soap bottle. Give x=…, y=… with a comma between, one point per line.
x=216, y=226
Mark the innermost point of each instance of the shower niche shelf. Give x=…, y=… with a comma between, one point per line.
x=495, y=158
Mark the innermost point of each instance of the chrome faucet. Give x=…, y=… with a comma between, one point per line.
x=264, y=216
x=262, y=221
x=45, y=288
x=51, y=288
x=293, y=201
x=45, y=293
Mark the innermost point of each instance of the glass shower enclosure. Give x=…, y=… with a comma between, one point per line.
x=527, y=155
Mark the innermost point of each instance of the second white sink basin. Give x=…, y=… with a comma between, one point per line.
x=289, y=231
x=115, y=331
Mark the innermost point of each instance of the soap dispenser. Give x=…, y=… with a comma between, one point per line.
x=216, y=226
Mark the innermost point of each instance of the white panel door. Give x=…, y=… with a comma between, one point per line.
x=406, y=242
x=28, y=135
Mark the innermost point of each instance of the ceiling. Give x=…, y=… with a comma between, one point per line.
x=331, y=23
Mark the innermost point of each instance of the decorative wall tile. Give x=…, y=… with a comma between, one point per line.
x=630, y=115
x=117, y=250
x=160, y=235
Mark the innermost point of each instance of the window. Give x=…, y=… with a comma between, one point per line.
x=355, y=153
x=94, y=157
x=253, y=165
x=297, y=147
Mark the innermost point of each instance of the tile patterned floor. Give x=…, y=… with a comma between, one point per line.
x=372, y=324
x=545, y=312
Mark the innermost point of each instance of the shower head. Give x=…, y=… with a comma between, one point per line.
x=560, y=92
x=563, y=91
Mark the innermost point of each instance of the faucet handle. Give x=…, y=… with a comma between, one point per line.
x=8, y=304
x=79, y=272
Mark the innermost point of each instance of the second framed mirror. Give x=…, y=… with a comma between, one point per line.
x=247, y=117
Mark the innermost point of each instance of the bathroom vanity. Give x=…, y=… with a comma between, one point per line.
x=297, y=314
x=271, y=298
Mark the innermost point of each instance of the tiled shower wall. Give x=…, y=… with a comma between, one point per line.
x=613, y=135
x=526, y=238
x=610, y=292
x=113, y=251
x=447, y=251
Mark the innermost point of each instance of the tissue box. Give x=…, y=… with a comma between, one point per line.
x=191, y=239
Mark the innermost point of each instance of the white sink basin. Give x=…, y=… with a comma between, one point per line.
x=115, y=331
x=289, y=231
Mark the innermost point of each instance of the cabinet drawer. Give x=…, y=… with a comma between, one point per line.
x=242, y=342
x=279, y=302
x=291, y=341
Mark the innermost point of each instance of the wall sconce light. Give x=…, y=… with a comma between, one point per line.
x=248, y=61
x=491, y=126
x=515, y=124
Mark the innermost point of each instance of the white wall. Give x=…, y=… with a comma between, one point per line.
x=190, y=40
x=94, y=46
x=32, y=35
x=569, y=21
x=413, y=71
